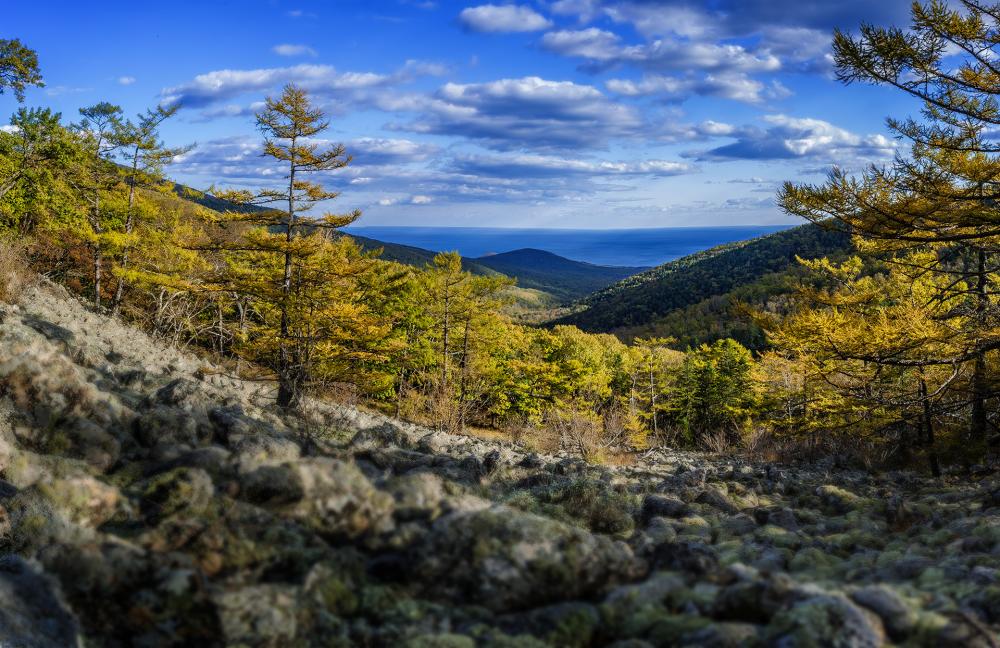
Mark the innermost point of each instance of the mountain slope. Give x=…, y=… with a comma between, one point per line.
x=564, y=278
x=642, y=299
x=149, y=498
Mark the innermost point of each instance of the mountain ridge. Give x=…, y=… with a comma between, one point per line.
x=636, y=303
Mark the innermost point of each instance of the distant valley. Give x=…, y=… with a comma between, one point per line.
x=563, y=279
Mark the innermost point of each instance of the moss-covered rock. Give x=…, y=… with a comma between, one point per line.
x=504, y=559
x=329, y=496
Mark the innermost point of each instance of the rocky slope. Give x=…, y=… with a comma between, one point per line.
x=147, y=499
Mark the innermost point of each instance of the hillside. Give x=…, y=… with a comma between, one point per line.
x=564, y=279
x=147, y=498
x=638, y=303
x=558, y=279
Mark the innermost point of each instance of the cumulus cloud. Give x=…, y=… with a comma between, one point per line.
x=222, y=85
x=604, y=49
x=232, y=159
x=530, y=112
x=503, y=18
x=540, y=166
x=126, y=80
x=791, y=137
x=288, y=49
x=417, y=199
x=728, y=85
x=733, y=18
x=374, y=151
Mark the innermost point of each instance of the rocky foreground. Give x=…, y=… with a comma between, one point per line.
x=146, y=499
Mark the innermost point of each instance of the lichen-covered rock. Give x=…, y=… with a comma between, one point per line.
x=418, y=495
x=654, y=505
x=33, y=613
x=330, y=496
x=837, y=499
x=504, y=559
x=183, y=490
x=826, y=620
x=260, y=615
x=83, y=500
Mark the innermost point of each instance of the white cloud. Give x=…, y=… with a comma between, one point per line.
x=529, y=112
x=368, y=151
x=126, y=80
x=728, y=85
x=221, y=85
x=503, y=18
x=603, y=48
x=539, y=166
x=795, y=137
x=420, y=200
x=584, y=10
x=288, y=49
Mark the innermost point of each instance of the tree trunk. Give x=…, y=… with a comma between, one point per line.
x=119, y=289
x=977, y=424
x=464, y=378
x=652, y=401
x=288, y=379
x=928, y=422
x=444, y=336
x=98, y=258
x=98, y=254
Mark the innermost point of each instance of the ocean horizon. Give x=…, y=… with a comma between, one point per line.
x=638, y=247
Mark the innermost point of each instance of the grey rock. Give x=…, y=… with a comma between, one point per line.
x=332, y=497
x=654, y=505
x=33, y=613
x=826, y=620
x=896, y=615
x=505, y=559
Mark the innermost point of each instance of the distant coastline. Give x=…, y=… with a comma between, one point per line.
x=612, y=247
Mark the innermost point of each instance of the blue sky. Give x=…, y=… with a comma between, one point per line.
x=552, y=113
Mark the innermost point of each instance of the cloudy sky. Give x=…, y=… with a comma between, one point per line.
x=555, y=113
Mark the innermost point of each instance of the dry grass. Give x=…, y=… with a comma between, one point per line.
x=15, y=276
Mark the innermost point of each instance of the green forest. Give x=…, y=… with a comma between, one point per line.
x=870, y=334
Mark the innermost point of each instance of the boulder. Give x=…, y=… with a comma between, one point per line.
x=504, y=559
x=33, y=613
x=330, y=496
x=826, y=620
x=899, y=619
x=654, y=505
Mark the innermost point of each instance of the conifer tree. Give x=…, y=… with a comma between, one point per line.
x=940, y=197
x=18, y=67
x=144, y=155
x=34, y=162
x=99, y=131
x=290, y=125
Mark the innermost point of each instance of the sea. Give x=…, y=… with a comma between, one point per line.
x=641, y=247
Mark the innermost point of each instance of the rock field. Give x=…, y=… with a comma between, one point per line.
x=148, y=499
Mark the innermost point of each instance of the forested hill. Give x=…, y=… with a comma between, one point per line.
x=643, y=299
x=563, y=279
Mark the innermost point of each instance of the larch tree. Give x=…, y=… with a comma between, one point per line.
x=144, y=156
x=18, y=67
x=940, y=196
x=290, y=125
x=873, y=349
x=99, y=130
